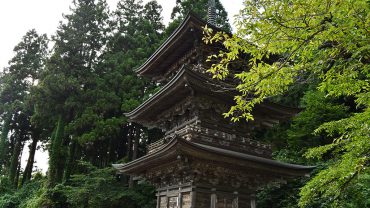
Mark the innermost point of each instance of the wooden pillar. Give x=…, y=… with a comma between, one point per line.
x=158, y=199
x=213, y=200
x=179, y=199
x=193, y=197
x=253, y=201
x=235, y=203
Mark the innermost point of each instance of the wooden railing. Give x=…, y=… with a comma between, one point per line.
x=153, y=147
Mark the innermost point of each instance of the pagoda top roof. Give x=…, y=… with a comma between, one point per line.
x=189, y=83
x=178, y=146
x=175, y=46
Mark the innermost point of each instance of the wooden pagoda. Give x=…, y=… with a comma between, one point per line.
x=203, y=160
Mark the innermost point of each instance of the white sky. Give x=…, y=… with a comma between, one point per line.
x=19, y=16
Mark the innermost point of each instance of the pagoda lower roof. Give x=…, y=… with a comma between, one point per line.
x=191, y=83
x=180, y=147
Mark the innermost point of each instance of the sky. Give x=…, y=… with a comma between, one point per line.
x=19, y=16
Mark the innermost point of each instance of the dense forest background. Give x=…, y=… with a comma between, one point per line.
x=70, y=100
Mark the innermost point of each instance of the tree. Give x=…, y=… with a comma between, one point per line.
x=78, y=105
x=16, y=106
x=65, y=89
x=289, y=42
x=138, y=32
x=89, y=83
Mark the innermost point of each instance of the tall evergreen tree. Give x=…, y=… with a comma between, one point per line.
x=16, y=108
x=138, y=32
x=70, y=75
x=89, y=83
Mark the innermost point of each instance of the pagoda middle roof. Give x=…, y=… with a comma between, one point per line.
x=175, y=46
x=186, y=83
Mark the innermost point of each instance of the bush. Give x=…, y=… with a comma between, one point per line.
x=92, y=188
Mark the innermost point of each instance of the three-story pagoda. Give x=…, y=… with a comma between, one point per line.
x=204, y=160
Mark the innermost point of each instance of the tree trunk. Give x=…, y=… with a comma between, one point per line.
x=14, y=162
x=111, y=151
x=18, y=173
x=122, y=151
x=129, y=144
x=130, y=150
x=57, y=152
x=136, y=143
x=71, y=160
x=31, y=159
x=4, y=143
x=135, y=136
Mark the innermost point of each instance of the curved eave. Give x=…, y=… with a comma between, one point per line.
x=177, y=146
x=185, y=82
x=155, y=97
x=178, y=43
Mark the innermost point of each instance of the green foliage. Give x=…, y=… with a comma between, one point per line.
x=323, y=43
x=93, y=188
x=77, y=99
x=5, y=185
x=358, y=192
x=351, y=149
x=100, y=188
x=285, y=195
x=318, y=109
x=18, y=198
